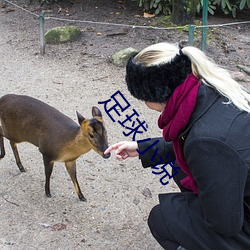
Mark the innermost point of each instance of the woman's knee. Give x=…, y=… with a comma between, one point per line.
x=156, y=223
x=159, y=229
x=153, y=218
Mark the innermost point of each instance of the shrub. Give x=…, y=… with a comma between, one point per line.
x=156, y=6
x=165, y=6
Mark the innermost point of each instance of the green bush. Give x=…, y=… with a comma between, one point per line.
x=156, y=6
x=165, y=6
x=211, y=7
x=232, y=6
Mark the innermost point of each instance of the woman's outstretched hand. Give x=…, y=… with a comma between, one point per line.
x=123, y=149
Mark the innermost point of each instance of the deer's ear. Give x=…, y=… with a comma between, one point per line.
x=80, y=118
x=96, y=112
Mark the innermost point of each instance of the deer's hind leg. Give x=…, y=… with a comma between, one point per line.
x=71, y=168
x=18, y=161
x=1, y=144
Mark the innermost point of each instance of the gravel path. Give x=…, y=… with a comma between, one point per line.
x=74, y=77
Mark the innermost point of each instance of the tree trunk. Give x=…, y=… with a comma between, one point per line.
x=183, y=11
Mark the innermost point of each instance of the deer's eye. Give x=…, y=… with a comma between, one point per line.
x=91, y=136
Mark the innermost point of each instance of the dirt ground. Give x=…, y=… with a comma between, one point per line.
x=76, y=76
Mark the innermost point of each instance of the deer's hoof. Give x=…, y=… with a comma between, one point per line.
x=82, y=198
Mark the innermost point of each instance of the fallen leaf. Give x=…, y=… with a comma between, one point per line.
x=147, y=15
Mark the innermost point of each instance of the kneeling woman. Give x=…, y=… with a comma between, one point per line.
x=205, y=119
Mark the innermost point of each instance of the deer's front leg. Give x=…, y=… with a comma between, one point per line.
x=71, y=168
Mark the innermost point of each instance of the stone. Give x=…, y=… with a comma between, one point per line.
x=239, y=76
x=121, y=58
x=63, y=34
x=2, y=3
x=147, y=193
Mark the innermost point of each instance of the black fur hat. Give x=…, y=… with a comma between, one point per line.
x=156, y=83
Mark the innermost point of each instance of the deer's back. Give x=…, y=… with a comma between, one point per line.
x=24, y=118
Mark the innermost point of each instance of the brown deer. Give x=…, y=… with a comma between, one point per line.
x=59, y=138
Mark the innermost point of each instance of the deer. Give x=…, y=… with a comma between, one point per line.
x=58, y=138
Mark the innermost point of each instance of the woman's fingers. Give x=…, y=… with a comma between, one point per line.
x=113, y=147
x=123, y=149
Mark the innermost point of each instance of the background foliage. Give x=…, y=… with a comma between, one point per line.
x=227, y=6
x=165, y=6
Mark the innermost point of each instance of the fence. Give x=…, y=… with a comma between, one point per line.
x=191, y=28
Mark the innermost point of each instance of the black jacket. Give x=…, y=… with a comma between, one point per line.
x=216, y=145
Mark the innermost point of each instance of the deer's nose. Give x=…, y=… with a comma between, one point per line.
x=106, y=156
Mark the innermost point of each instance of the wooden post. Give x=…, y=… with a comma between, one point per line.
x=42, y=32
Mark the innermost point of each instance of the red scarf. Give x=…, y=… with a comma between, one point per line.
x=174, y=119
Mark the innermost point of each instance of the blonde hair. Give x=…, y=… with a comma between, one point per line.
x=202, y=67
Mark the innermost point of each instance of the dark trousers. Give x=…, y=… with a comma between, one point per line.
x=157, y=224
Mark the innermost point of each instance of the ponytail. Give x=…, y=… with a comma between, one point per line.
x=218, y=78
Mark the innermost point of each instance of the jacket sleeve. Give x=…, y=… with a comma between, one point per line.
x=220, y=173
x=151, y=155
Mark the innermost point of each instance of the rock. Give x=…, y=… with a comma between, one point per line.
x=136, y=201
x=121, y=58
x=45, y=225
x=239, y=76
x=58, y=227
x=63, y=34
x=147, y=193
